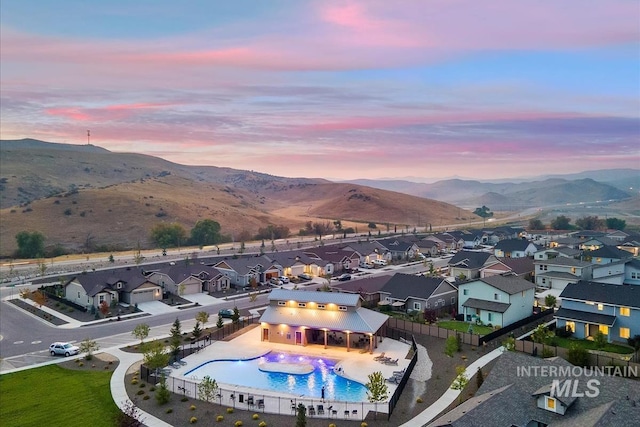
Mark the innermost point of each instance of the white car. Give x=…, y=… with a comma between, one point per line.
x=63, y=348
x=284, y=279
x=276, y=281
x=379, y=262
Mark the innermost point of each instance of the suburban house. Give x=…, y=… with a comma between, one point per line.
x=447, y=241
x=325, y=318
x=408, y=292
x=368, y=288
x=589, y=307
x=631, y=244
x=521, y=267
x=559, y=271
x=243, y=270
x=111, y=286
x=515, y=393
x=369, y=251
x=189, y=279
x=496, y=300
x=606, y=255
x=400, y=249
x=597, y=242
x=514, y=248
x=632, y=272
x=428, y=248
x=294, y=264
x=341, y=260
x=469, y=263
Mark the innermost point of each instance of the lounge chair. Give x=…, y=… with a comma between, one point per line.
x=391, y=362
x=320, y=409
x=378, y=357
x=261, y=404
x=384, y=360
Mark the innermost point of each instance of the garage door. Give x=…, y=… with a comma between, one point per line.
x=142, y=296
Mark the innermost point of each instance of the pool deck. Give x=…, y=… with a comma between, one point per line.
x=355, y=365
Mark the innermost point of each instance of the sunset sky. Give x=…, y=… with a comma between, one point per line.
x=334, y=89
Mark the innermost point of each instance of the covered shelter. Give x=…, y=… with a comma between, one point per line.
x=325, y=318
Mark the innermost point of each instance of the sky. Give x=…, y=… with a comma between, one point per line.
x=340, y=90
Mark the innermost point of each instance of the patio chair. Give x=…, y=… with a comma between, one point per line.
x=378, y=357
x=320, y=409
x=261, y=404
x=312, y=411
x=346, y=413
x=384, y=360
x=354, y=412
x=391, y=362
x=250, y=401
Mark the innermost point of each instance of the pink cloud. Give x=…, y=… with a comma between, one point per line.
x=110, y=112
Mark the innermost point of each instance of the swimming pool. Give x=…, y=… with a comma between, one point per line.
x=247, y=373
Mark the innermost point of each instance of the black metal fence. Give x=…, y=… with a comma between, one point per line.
x=512, y=327
x=407, y=373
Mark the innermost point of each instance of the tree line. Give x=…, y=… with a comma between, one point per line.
x=594, y=223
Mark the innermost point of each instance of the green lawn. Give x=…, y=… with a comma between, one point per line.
x=52, y=395
x=455, y=325
x=591, y=345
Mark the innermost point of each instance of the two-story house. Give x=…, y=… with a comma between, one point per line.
x=409, y=292
x=557, y=272
x=325, y=318
x=592, y=307
x=498, y=300
x=514, y=248
x=242, y=271
x=400, y=249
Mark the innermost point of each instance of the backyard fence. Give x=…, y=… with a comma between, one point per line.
x=405, y=377
x=405, y=329
x=538, y=317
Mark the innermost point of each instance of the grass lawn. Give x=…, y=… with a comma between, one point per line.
x=51, y=395
x=591, y=345
x=455, y=325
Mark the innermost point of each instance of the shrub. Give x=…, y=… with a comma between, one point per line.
x=140, y=392
x=363, y=424
x=229, y=410
x=184, y=399
x=547, y=352
x=238, y=423
x=152, y=388
x=80, y=364
x=168, y=411
x=106, y=366
x=332, y=424
x=577, y=355
x=219, y=418
x=419, y=400
x=451, y=346
x=193, y=420
x=255, y=416
x=142, y=385
x=146, y=397
x=262, y=424
x=192, y=407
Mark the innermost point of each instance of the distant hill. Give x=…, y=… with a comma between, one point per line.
x=519, y=195
x=85, y=197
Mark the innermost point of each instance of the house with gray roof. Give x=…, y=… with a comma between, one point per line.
x=126, y=285
x=182, y=279
x=413, y=293
x=513, y=396
x=496, y=300
x=367, y=287
x=591, y=307
x=293, y=264
x=557, y=272
x=325, y=318
x=400, y=249
x=243, y=270
x=632, y=272
x=368, y=251
x=339, y=259
x=469, y=263
x=606, y=255
x=514, y=248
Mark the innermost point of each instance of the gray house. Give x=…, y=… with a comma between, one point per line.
x=469, y=263
x=514, y=248
x=408, y=292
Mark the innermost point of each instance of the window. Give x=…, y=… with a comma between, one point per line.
x=465, y=292
x=625, y=311
x=550, y=403
x=101, y=298
x=342, y=308
x=544, y=281
x=428, y=304
x=302, y=304
x=590, y=303
x=453, y=300
x=544, y=267
x=635, y=275
x=281, y=303
x=599, y=260
x=625, y=333
x=604, y=329
x=321, y=306
x=496, y=297
x=78, y=294
x=571, y=326
x=600, y=307
x=490, y=317
x=417, y=306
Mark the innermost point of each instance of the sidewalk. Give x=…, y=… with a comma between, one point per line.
x=429, y=414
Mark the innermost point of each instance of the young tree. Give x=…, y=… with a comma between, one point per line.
x=577, y=355
x=111, y=259
x=600, y=339
x=451, y=346
x=154, y=355
x=301, y=415
x=550, y=301
x=130, y=416
x=377, y=390
x=484, y=213
x=163, y=395
x=220, y=322
x=541, y=335
x=461, y=381
x=176, y=337
x=141, y=332
x=207, y=389
x=104, y=308
x=202, y=317
x=88, y=346
x=235, y=317
x=197, y=330
x=479, y=378
x=39, y=298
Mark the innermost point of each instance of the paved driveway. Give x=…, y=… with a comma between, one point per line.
x=156, y=307
x=203, y=299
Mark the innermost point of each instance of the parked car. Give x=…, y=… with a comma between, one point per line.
x=379, y=262
x=276, y=281
x=305, y=276
x=63, y=348
x=284, y=279
x=226, y=313
x=344, y=277
x=366, y=265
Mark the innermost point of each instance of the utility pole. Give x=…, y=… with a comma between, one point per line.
x=88, y=137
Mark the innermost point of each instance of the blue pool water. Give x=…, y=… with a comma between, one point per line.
x=246, y=373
